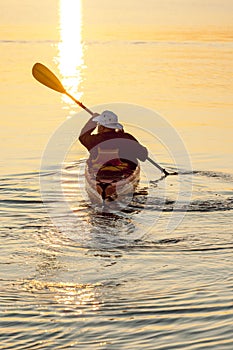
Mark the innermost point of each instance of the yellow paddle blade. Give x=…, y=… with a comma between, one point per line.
x=47, y=78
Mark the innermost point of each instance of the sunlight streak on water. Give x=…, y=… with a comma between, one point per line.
x=70, y=55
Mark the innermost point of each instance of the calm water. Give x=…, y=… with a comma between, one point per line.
x=116, y=280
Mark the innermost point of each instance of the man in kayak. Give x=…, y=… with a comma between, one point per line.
x=111, y=149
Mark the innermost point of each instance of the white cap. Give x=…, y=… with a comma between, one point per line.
x=108, y=119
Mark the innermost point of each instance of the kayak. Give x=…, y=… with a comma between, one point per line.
x=118, y=188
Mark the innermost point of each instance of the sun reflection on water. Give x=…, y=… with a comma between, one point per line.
x=79, y=297
x=70, y=48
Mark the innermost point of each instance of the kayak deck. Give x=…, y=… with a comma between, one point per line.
x=106, y=190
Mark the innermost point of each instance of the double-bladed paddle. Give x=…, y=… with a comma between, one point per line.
x=49, y=79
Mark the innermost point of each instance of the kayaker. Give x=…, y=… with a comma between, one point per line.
x=110, y=147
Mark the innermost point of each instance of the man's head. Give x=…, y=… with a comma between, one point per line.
x=107, y=120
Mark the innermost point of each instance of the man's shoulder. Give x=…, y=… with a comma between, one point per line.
x=128, y=136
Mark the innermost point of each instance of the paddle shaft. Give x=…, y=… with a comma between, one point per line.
x=157, y=166
x=79, y=103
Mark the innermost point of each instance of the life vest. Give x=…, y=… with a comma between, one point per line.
x=108, y=160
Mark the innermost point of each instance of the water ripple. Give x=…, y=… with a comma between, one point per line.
x=99, y=286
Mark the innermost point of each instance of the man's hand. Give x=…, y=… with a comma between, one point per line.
x=95, y=115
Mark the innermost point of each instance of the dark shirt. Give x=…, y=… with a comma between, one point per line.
x=129, y=149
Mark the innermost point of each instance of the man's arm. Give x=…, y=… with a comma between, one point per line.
x=143, y=153
x=85, y=136
x=140, y=151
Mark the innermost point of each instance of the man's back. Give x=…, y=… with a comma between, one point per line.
x=128, y=148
